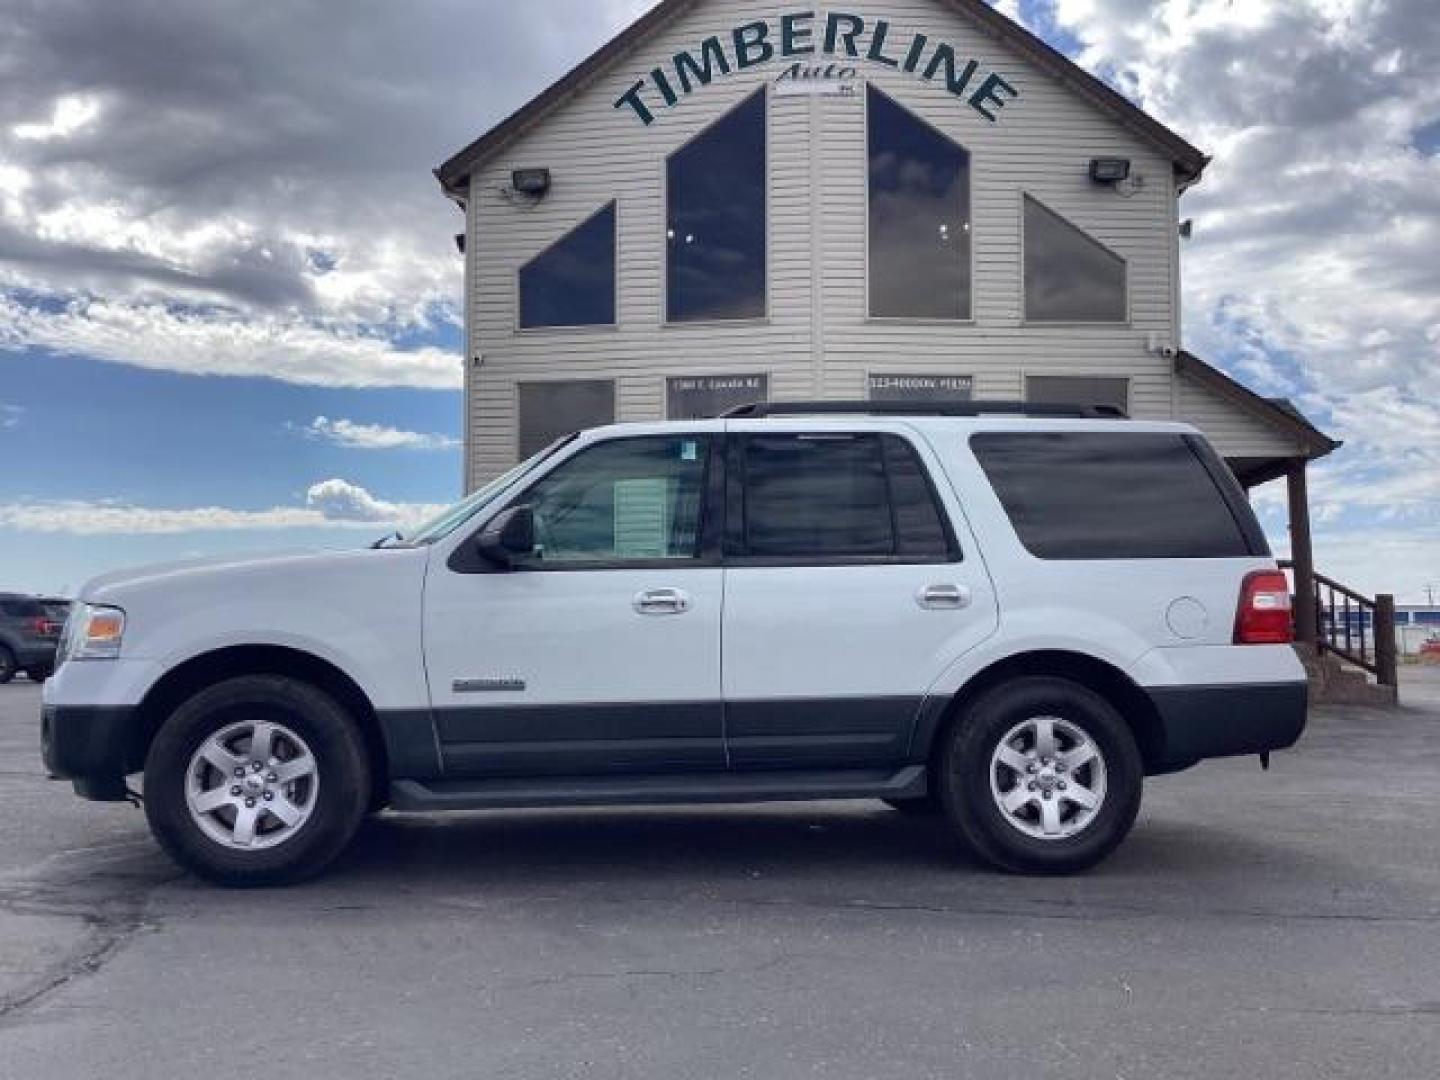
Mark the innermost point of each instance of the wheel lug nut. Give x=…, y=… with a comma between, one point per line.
x=250, y=804
x=240, y=774
x=235, y=792
x=1032, y=786
x=1048, y=794
x=270, y=778
x=1062, y=785
x=269, y=796
x=257, y=766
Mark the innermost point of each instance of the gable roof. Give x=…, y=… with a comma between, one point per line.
x=1189, y=162
x=1278, y=413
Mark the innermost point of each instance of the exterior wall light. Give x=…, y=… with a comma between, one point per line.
x=532, y=182
x=1110, y=170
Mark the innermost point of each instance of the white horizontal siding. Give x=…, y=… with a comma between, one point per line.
x=815, y=345
x=1236, y=432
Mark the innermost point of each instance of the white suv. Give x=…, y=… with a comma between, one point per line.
x=995, y=614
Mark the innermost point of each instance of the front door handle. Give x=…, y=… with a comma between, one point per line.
x=662, y=602
x=945, y=597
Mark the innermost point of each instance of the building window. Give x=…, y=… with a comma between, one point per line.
x=701, y=397
x=549, y=410
x=1078, y=390
x=572, y=283
x=715, y=228
x=1069, y=275
x=629, y=500
x=922, y=388
x=919, y=217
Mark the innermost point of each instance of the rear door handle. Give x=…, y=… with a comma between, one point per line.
x=946, y=597
x=662, y=602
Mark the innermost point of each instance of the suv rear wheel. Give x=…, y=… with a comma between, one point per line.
x=1041, y=776
x=7, y=665
x=259, y=780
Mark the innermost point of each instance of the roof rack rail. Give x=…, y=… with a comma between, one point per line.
x=1036, y=410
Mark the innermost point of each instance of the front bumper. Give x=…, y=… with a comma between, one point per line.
x=96, y=746
x=1199, y=722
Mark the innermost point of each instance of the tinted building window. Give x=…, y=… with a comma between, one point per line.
x=1069, y=275
x=919, y=217
x=699, y=397
x=631, y=500
x=1104, y=496
x=572, y=283
x=1078, y=390
x=715, y=232
x=549, y=410
x=820, y=497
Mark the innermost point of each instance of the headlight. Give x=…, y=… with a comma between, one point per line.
x=92, y=633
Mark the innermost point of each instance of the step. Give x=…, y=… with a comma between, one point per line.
x=414, y=796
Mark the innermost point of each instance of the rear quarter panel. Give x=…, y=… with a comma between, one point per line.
x=1138, y=615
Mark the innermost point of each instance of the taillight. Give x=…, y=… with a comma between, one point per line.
x=40, y=627
x=1265, y=617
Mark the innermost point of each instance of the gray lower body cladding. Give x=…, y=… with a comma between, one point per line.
x=96, y=743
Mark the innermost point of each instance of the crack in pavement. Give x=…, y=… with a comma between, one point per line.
x=696, y=973
x=113, y=908
x=1028, y=909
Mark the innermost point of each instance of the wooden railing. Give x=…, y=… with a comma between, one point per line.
x=1355, y=628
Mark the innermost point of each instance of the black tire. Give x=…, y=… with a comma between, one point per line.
x=341, y=767
x=965, y=781
x=39, y=674
x=7, y=665
x=925, y=806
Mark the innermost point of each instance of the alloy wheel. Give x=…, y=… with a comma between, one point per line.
x=252, y=785
x=1047, y=776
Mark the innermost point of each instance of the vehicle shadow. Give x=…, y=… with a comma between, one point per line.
x=861, y=854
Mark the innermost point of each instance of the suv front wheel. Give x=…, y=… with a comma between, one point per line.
x=259, y=780
x=1041, y=776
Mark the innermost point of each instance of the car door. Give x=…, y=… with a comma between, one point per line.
x=847, y=593
x=599, y=650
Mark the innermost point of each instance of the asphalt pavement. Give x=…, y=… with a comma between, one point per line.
x=1281, y=924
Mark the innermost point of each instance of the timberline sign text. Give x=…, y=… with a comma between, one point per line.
x=835, y=35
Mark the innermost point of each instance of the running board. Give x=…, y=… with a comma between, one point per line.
x=413, y=796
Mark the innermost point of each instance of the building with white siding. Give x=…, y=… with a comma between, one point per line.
x=914, y=199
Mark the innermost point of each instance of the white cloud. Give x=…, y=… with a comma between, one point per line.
x=224, y=342
x=71, y=113
x=356, y=436
x=328, y=504
x=342, y=501
x=10, y=415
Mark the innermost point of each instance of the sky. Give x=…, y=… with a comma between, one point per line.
x=229, y=293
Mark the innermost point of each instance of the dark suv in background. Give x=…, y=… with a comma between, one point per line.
x=30, y=630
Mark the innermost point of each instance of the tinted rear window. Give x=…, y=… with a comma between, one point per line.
x=22, y=609
x=1087, y=495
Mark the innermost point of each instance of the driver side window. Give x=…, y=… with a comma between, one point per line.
x=627, y=501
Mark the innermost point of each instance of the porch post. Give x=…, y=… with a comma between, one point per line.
x=1302, y=552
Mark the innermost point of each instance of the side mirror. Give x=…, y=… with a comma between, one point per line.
x=509, y=537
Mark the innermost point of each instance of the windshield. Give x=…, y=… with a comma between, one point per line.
x=442, y=526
